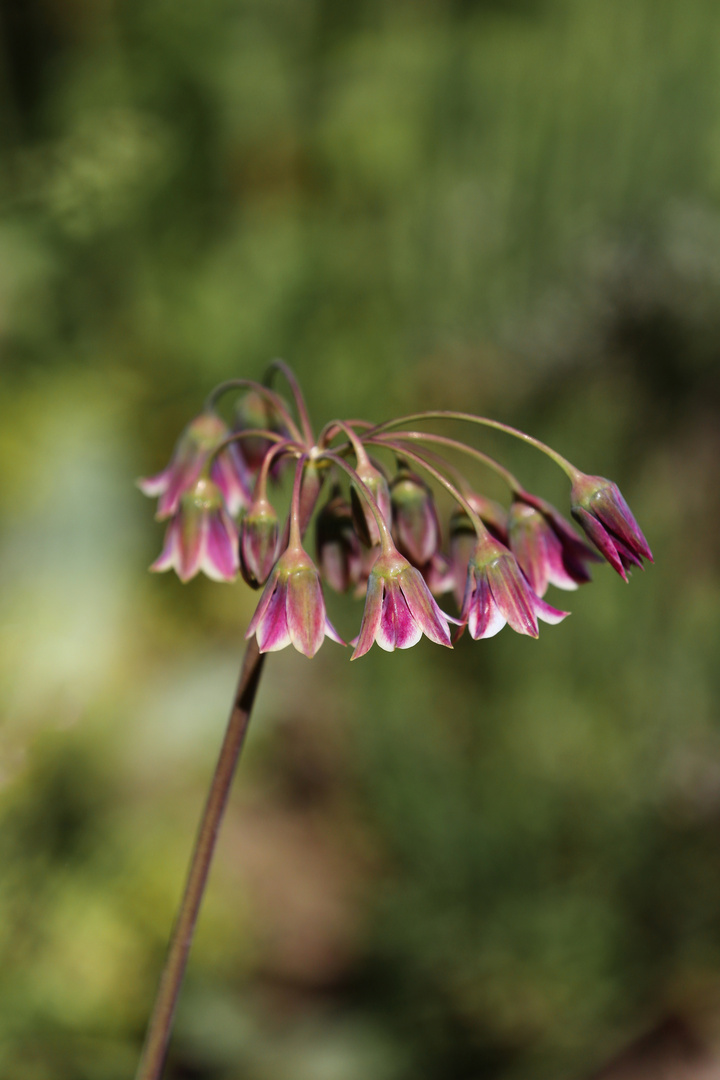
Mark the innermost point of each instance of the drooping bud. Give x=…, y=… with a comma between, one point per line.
x=338, y=547
x=365, y=523
x=598, y=506
x=415, y=522
x=201, y=536
x=259, y=536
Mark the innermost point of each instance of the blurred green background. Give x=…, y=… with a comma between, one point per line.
x=501, y=862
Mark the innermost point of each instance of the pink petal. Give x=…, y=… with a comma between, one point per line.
x=154, y=485
x=371, y=616
x=305, y=611
x=513, y=596
x=169, y=556
x=220, y=557
x=549, y=614
x=332, y=633
x=484, y=617
x=407, y=630
x=193, y=529
x=430, y=619
x=273, y=632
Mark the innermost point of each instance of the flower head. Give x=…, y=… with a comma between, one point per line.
x=497, y=592
x=201, y=536
x=599, y=507
x=399, y=608
x=415, y=521
x=292, y=609
x=547, y=549
x=202, y=435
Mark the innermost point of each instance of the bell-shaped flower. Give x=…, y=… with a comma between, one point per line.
x=292, y=608
x=338, y=548
x=497, y=592
x=259, y=537
x=546, y=547
x=415, y=522
x=365, y=523
x=201, y=536
x=399, y=608
x=599, y=507
x=202, y=435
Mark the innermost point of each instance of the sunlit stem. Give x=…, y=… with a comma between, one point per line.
x=421, y=461
x=302, y=409
x=483, y=421
x=443, y=440
x=269, y=395
x=158, y=1033
x=386, y=541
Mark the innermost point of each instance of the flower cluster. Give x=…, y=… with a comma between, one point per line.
x=378, y=531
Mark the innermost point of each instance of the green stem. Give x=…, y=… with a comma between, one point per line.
x=303, y=414
x=484, y=421
x=158, y=1033
x=455, y=444
x=269, y=395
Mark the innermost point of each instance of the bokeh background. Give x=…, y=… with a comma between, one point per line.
x=502, y=862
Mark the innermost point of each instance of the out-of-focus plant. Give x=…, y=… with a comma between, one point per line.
x=377, y=536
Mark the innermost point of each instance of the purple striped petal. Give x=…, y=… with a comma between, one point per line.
x=273, y=632
x=220, y=557
x=305, y=611
x=485, y=619
x=371, y=616
x=169, y=556
x=424, y=609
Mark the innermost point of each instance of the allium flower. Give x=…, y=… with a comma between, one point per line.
x=399, y=608
x=337, y=544
x=292, y=609
x=201, y=536
x=259, y=536
x=415, y=522
x=547, y=549
x=599, y=507
x=497, y=592
x=202, y=435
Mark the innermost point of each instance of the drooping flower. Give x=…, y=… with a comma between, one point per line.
x=292, y=608
x=547, y=549
x=201, y=536
x=338, y=547
x=259, y=536
x=399, y=608
x=599, y=507
x=415, y=522
x=497, y=592
x=202, y=435
x=254, y=410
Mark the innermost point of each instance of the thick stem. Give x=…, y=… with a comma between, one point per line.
x=158, y=1033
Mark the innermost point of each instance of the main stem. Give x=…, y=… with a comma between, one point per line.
x=158, y=1033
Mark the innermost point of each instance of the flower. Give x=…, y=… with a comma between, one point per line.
x=337, y=544
x=599, y=507
x=202, y=435
x=399, y=608
x=201, y=536
x=292, y=609
x=415, y=520
x=547, y=549
x=497, y=592
x=259, y=534
x=254, y=410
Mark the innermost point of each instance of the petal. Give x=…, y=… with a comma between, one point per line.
x=371, y=616
x=220, y=557
x=154, y=485
x=168, y=558
x=513, y=595
x=182, y=476
x=484, y=616
x=430, y=619
x=549, y=614
x=600, y=538
x=191, y=546
x=263, y=604
x=332, y=633
x=273, y=632
x=305, y=611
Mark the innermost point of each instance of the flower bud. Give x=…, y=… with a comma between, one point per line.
x=338, y=547
x=259, y=535
x=415, y=520
x=546, y=547
x=365, y=523
x=598, y=506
